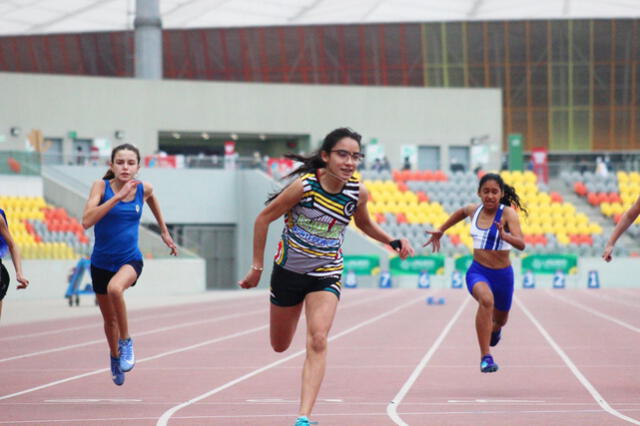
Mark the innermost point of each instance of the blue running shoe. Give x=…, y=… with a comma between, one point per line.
x=127, y=358
x=304, y=421
x=495, y=337
x=116, y=373
x=487, y=365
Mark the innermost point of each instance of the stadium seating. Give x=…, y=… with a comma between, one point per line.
x=42, y=231
x=408, y=203
x=613, y=194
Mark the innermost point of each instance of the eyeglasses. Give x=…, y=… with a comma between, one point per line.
x=355, y=156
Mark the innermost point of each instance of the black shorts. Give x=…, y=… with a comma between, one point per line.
x=290, y=288
x=100, y=277
x=5, y=279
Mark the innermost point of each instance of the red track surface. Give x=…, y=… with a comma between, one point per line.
x=562, y=351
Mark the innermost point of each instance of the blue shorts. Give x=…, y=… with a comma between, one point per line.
x=500, y=282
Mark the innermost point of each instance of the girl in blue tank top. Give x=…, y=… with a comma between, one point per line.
x=7, y=245
x=115, y=208
x=495, y=229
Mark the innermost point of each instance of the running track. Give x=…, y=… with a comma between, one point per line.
x=568, y=357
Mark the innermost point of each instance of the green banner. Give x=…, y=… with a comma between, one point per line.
x=434, y=265
x=550, y=263
x=515, y=157
x=362, y=264
x=462, y=263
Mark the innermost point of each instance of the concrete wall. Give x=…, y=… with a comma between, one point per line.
x=185, y=195
x=95, y=107
x=25, y=186
x=48, y=278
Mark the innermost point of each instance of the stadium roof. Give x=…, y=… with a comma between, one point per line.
x=22, y=17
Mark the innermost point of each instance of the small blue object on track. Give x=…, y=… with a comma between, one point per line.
x=433, y=301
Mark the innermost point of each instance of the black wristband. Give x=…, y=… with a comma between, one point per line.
x=395, y=244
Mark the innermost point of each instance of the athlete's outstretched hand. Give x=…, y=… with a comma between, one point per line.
x=405, y=250
x=607, y=254
x=23, y=282
x=434, y=240
x=166, y=237
x=251, y=279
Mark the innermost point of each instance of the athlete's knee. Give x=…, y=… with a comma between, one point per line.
x=114, y=291
x=486, y=301
x=317, y=341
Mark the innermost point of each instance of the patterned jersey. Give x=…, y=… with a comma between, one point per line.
x=314, y=228
x=488, y=238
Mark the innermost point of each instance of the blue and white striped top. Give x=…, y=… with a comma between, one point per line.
x=488, y=238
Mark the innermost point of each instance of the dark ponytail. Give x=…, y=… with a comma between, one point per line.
x=510, y=198
x=109, y=174
x=314, y=162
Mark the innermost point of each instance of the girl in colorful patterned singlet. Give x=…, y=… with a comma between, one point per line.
x=495, y=228
x=8, y=245
x=115, y=208
x=317, y=208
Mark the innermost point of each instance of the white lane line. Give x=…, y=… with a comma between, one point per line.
x=494, y=401
x=89, y=400
x=392, y=407
x=594, y=312
x=599, y=295
x=163, y=354
x=283, y=401
x=158, y=330
x=144, y=333
x=160, y=355
x=98, y=325
x=203, y=418
x=635, y=292
x=581, y=378
x=163, y=420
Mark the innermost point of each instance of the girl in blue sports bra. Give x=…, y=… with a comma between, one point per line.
x=115, y=207
x=495, y=229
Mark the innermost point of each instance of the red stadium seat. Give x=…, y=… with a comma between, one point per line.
x=428, y=175
x=556, y=197
x=580, y=189
x=422, y=197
